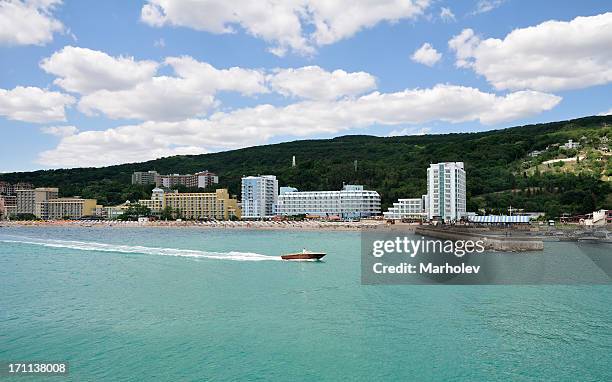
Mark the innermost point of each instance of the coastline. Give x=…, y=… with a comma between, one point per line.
x=244, y=225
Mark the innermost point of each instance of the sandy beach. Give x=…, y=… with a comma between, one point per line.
x=257, y=225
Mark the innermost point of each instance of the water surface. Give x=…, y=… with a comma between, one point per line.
x=193, y=304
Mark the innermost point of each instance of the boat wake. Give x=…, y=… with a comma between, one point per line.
x=136, y=249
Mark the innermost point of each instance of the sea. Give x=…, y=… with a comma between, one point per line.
x=193, y=304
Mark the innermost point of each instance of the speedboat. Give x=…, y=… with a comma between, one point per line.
x=304, y=255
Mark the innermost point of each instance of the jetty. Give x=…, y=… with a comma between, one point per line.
x=493, y=240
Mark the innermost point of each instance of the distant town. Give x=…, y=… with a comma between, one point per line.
x=262, y=199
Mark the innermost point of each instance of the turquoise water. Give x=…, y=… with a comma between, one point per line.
x=199, y=304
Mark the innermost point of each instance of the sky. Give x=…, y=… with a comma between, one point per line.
x=96, y=83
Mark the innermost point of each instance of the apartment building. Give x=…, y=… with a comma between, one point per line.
x=145, y=177
x=446, y=191
x=349, y=203
x=202, y=179
x=259, y=196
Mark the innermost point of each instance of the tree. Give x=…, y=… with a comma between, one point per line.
x=167, y=213
x=135, y=211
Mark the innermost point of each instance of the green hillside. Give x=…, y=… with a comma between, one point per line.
x=497, y=165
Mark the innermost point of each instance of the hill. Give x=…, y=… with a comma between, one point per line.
x=497, y=163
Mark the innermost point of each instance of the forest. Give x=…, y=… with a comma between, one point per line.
x=394, y=166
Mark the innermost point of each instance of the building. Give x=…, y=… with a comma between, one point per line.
x=33, y=201
x=571, y=144
x=194, y=205
x=206, y=179
x=113, y=212
x=8, y=206
x=9, y=189
x=6, y=188
x=349, y=203
x=535, y=153
x=156, y=203
x=412, y=209
x=499, y=219
x=100, y=211
x=202, y=179
x=259, y=196
x=144, y=177
x=446, y=191
x=69, y=208
x=600, y=217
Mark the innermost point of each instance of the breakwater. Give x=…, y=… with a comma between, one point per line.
x=494, y=242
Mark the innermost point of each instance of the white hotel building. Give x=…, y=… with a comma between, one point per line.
x=259, y=196
x=349, y=203
x=412, y=209
x=446, y=191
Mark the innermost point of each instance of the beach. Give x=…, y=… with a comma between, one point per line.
x=309, y=225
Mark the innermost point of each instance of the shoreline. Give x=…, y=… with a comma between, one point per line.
x=242, y=225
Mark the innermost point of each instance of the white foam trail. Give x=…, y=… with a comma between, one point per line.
x=92, y=246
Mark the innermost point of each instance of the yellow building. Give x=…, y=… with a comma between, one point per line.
x=197, y=205
x=71, y=208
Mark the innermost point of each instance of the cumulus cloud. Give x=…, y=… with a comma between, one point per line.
x=426, y=55
x=313, y=82
x=256, y=125
x=59, y=131
x=32, y=104
x=164, y=98
x=447, y=15
x=282, y=23
x=191, y=91
x=84, y=71
x=28, y=22
x=554, y=55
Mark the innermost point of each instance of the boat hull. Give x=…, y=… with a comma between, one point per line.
x=303, y=256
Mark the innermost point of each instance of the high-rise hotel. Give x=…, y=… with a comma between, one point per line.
x=259, y=196
x=446, y=191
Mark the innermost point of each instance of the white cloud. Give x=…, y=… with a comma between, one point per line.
x=83, y=70
x=256, y=125
x=159, y=99
x=174, y=98
x=28, y=22
x=313, y=82
x=32, y=104
x=426, y=55
x=59, y=131
x=409, y=131
x=485, y=6
x=244, y=81
x=447, y=15
x=554, y=55
x=191, y=91
x=609, y=112
x=282, y=23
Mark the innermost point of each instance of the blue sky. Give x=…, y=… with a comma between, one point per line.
x=99, y=83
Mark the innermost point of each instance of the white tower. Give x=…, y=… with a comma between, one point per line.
x=446, y=191
x=293, y=162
